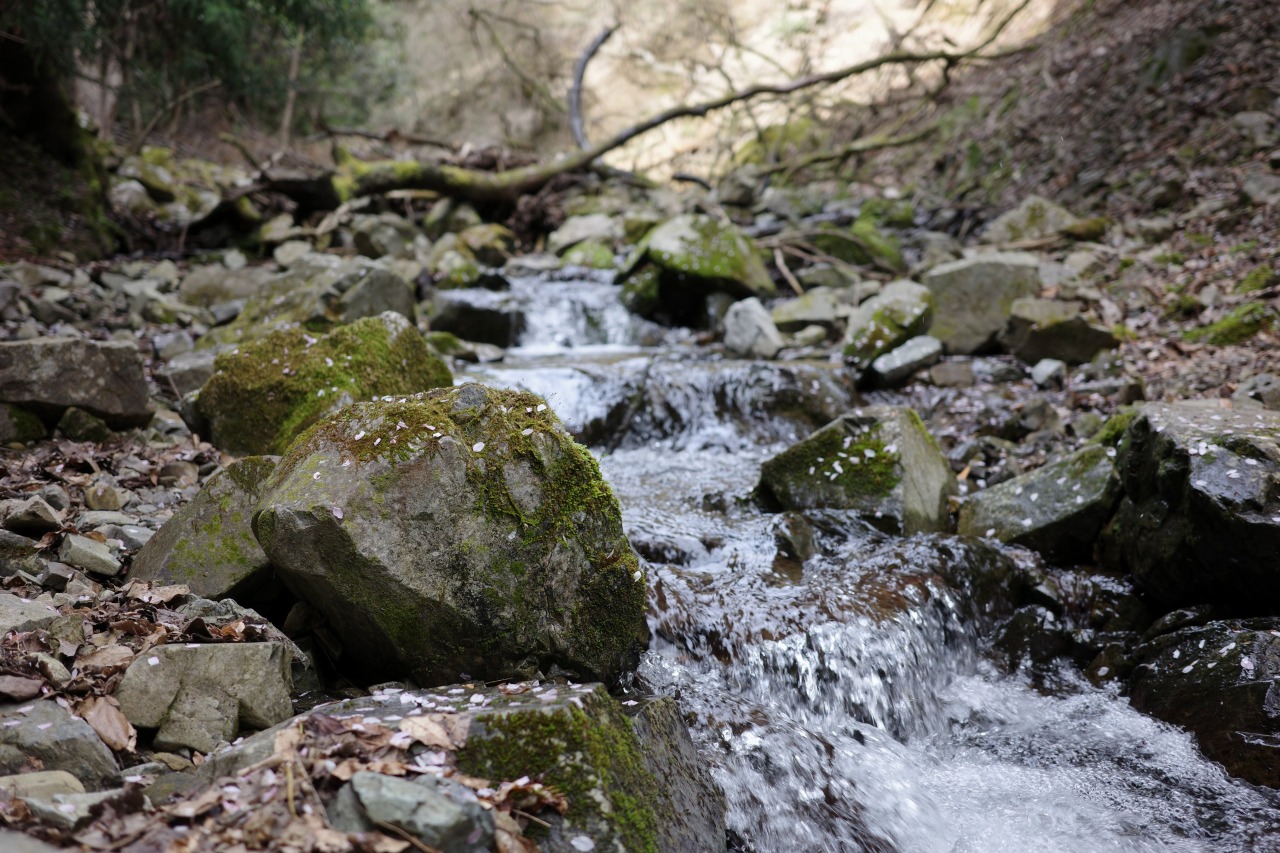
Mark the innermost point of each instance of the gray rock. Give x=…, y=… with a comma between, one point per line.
x=16, y=842
x=33, y=516
x=445, y=584
x=78, y=425
x=900, y=311
x=384, y=234
x=19, y=615
x=208, y=545
x=1058, y=509
x=596, y=227
x=207, y=286
x=1049, y=373
x=1261, y=188
x=130, y=536
x=1033, y=219
x=901, y=363
x=1218, y=681
x=68, y=811
x=189, y=371
x=169, y=345
x=57, y=496
x=104, y=495
x=88, y=554
x=479, y=315
x=1200, y=521
x=749, y=331
x=440, y=812
x=65, y=743
x=200, y=696
x=41, y=783
x=1260, y=128
x=823, y=306
x=48, y=375
x=94, y=519
x=1046, y=328
x=1261, y=388
x=877, y=460
x=953, y=373
x=973, y=297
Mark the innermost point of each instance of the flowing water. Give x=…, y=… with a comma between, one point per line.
x=844, y=702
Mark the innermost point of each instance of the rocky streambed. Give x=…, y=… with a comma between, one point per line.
x=405, y=540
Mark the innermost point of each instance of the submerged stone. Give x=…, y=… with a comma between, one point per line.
x=456, y=531
x=878, y=460
x=263, y=395
x=1058, y=510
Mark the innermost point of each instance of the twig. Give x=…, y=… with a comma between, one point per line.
x=575, y=92
x=781, y=263
x=412, y=839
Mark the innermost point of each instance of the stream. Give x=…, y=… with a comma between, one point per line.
x=845, y=701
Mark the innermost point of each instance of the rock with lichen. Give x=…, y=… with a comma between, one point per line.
x=879, y=460
x=456, y=531
x=686, y=259
x=887, y=320
x=263, y=395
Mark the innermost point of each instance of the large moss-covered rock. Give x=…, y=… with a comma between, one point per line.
x=1058, y=510
x=318, y=293
x=974, y=297
x=1033, y=219
x=887, y=320
x=1200, y=520
x=1219, y=681
x=49, y=375
x=264, y=394
x=878, y=460
x=685, y=259
x=208, y=545
x=456, y=531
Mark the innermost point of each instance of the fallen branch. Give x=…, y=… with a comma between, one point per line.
x=858, y=146
x=575, y=92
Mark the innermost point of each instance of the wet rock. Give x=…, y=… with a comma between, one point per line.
x=200, y=696
x=19, y=425
x=1033, y=219
x=32, y=517
x=1058, y=509
x=88, y=554
x=878, y=460
x=686, y=259
x=1046, y=328
x=594, y=227
x=973, y=297
x=901, y=311
x=749, y=331
x=1033, y=634
x=1222, y=682
x=511, y=560
x=439, y=812
x=901, y=363
x=49, y=375
x=952, y=373
x=41, y=735
x=1200, y=521
x=479, y=315
x=209, y=545
x=265, y=394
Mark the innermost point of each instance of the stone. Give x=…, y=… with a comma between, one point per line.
x=1219, y=681
x=33, y=516
x=1033, y=219
x=686, y=259
x=1261, y=188
x=19, y=425
x=479, y=315
x=901, y=311
x=69, y=811
x=215, y=284
x=104, y=495
x=505, y=554
x=1200, y=520
x=384, y=234
x=974, y=297
x=208, y=544
x=593, y=227
x=94, y=519
x=17, y=614
x=822, y=306
x=12, y=841
x=41, y=783
x=749, y=331
x=197, y=697
x=1261, y=388
x=442, y=813
x=1049, y=373
x=901, y=363
x=489, y=243
x=862, y=244
x=878, y=460
x=264, y=394
x=809, y=336
x=78, y=425
x=88, y=554
x=1058, y=509
x=48, y=375
x=187, y=372
x=45, y=736
x=952, y=373
x=178, y=474
x=1046, y=328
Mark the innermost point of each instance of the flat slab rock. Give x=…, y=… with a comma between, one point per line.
x=104, y=378
x=1200, y=520
x=42, y=735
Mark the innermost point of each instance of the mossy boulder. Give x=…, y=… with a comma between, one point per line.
x=686, y=259
x=1033, y=219
x=1237, y=325
x=887, y=320
x=490, y=244
x=1058, y=509
x=591, y=254
x=320, y=292
x=973, y=297
x=264, y=394
x=1200, y=520
x=862, y=243
x=878, y=460
x=208, y=545
x=1219, y=682
x=17, y=424
x=456, y=531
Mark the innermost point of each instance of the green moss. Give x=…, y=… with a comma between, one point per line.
x=1259, y=278
x=1245, y=247
x=894, y=213
x=588, y=753
x=1238, y=326
x=1170, y=258
x=1090, y=230
x=1183, y=306
x=890, y=326
x=1125, y=263
x=20, y=424
x=1114, y=428
x=590, y=254
x=640, y=292
x=839, y=466
x=445, y=343
x=861, y=243
x=264, y=394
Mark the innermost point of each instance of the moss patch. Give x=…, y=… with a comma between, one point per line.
x=1238, y=326
x=1113, y=430
x=1259, y=278
x=843, y=465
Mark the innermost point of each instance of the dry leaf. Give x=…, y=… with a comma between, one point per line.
x=103, y=715
x=440, y=731
x=347, y=768
x=106, y=658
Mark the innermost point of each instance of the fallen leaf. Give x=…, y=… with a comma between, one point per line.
x=19, y=689
x=441, y=731
x=106, y=658
x=104, y=716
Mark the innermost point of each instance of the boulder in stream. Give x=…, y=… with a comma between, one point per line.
x=878, y=460
x=264, y=394
x=456, y=531
x=1200, y=520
